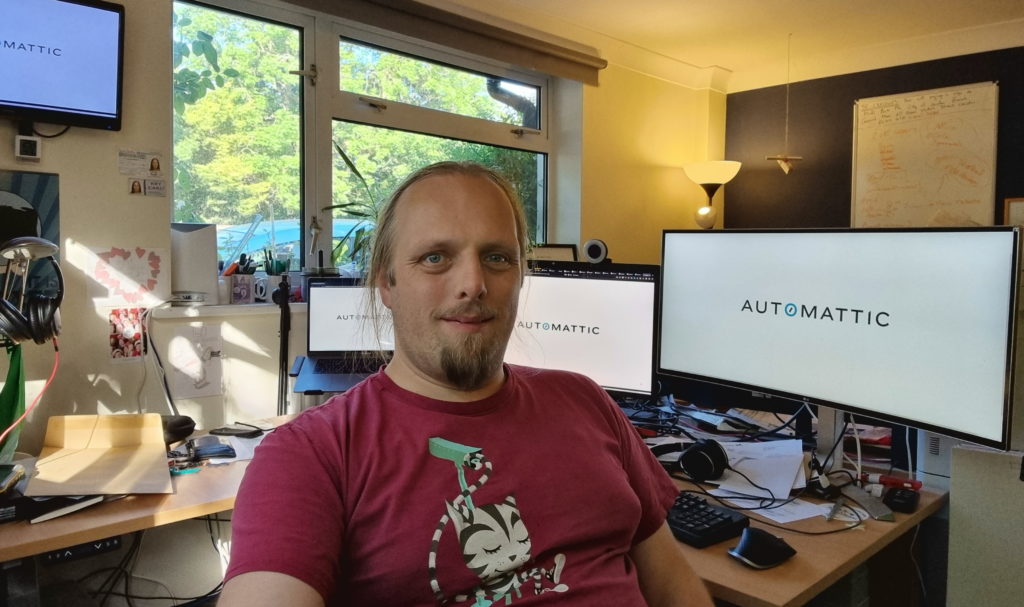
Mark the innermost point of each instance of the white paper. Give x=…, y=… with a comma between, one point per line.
x=194, y=355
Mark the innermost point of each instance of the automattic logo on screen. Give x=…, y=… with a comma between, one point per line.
x=833, y=313
x=558, y=327
x=33, y=48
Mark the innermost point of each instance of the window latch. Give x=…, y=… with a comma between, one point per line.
x=380, y=106
x=520, y=132
x=310, y=73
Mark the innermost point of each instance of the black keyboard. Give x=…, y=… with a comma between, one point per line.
x=696, y=522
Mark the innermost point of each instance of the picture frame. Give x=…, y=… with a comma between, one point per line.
x=1013, y=211
x=554, y=252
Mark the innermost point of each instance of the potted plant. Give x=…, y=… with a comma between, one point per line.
x=353, y=247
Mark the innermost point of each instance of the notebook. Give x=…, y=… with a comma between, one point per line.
x=342, y=347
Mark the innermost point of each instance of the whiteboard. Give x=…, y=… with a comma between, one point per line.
x=926, y=158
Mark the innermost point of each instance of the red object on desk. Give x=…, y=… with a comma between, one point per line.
x=231, y=269
x=891, y=481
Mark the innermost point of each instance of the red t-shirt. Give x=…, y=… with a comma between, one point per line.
x=384, y=497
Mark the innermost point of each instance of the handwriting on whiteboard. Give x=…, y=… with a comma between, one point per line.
x=926, y=158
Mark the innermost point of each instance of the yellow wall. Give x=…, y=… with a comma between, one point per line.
x=638, y=131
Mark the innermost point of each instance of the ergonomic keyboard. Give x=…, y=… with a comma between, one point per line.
x=696, y=522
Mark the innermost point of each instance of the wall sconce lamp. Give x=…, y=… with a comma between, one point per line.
x=710, y=175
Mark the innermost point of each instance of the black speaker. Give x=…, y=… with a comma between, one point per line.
x=38, y=318
x=595, y=251
x=704, y=460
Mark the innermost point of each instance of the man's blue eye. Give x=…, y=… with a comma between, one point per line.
x=433, y=258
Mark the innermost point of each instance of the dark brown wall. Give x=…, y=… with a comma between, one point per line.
x=816, y=193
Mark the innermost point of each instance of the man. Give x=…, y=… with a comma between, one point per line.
x=449, y=477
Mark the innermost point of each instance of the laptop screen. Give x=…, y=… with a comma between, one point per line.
x=338, y=319
x=595, y=319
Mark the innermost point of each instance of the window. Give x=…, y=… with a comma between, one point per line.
x=238, y=129
x=245, y=84
x=395, y=112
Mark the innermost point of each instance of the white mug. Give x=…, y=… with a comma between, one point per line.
x=265, y=286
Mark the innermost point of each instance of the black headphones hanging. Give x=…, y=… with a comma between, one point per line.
x=38, y=318
x=704, y=460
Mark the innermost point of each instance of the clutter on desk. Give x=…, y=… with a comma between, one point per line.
x=16, y=506
x=39, y=509
x=200, y=449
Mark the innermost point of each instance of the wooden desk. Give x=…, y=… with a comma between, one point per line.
x=209, y=491
x=819, y=562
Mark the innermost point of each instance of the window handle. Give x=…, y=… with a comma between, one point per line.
x=376, y=104
x=314, y=234
x=310, y=73
x=520, y=132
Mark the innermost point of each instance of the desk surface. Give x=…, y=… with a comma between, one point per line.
x=210, y=491
x=819, y=562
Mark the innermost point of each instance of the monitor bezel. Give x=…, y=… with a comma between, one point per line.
x=1003, y=443
x=22, y=114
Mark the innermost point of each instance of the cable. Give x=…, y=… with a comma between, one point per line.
x=58, y=134
x=35, y=401
x=859, y=522
x=776, y=431
x=911, y=472
x=158, y=363
x=917, y=566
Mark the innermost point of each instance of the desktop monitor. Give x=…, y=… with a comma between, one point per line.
x=910, y=326
x=61, y=62
x=595, y=319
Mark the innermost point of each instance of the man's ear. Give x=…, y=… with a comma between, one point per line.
x=384, y=289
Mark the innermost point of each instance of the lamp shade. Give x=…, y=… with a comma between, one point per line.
x=712, y=171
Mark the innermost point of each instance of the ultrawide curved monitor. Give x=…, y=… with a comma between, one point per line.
x=912, y=326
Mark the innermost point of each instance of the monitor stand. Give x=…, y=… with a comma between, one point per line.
x=830, y=430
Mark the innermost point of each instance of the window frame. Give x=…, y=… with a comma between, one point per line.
x=305, y=23
x=355, y=107
x=323, y=102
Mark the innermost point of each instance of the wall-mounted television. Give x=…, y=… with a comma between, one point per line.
x=61, y=62
x=911, y=326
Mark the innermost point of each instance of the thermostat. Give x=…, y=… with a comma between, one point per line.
x=27, y=147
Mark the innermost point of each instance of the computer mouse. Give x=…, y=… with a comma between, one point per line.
x=760, y=549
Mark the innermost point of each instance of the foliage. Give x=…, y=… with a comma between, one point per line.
x=238, y=126
x=237, y=145
x=353, y=246
x=190, y=85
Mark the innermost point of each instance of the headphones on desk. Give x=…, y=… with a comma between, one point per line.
x=38, y=317
x=704, y=460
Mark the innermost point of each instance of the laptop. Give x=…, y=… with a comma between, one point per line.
x=342, y=347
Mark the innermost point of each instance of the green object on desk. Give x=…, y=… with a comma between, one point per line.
x=12, y=402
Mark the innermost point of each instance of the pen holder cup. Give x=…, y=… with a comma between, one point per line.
x=278, y=266
x=242, y=288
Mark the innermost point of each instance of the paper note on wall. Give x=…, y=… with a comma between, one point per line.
x=194, y=355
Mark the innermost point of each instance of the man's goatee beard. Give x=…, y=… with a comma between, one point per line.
x=472, y=364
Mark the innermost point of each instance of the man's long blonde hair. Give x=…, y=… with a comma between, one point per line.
x=383, y=248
